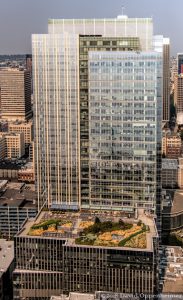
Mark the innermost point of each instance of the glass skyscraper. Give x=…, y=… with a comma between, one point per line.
x=98, y=95
x=56, y=117
x=124, y=139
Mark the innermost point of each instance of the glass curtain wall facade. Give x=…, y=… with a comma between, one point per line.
x=125, y=94
x=56, y=118
x=116, y=27
x=86, y=44
x=65, y=121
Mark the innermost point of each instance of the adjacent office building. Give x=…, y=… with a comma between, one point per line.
x=180, y=63
x=15, y=94
x=166, y=80
x=170, y=169
x=13, y=213
x=12, y=145
x=25, y=127
x=171, y=145
x=17, y=203
x=178, y=94
x=93, y=81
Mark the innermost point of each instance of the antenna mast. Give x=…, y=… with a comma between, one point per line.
x=123, y=8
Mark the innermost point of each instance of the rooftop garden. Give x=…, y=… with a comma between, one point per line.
x=114, y=234
x=54, y=225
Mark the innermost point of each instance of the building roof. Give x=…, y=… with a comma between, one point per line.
x=6, y=254
x=69, y=234
x=173, y=204
x=172, y=263
x=19, y=123
x=18, y=195
x=177, y=202
x=11, y=199
x=11, y=165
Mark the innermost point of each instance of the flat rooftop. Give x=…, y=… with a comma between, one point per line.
x=174, y=202
x=12, y=165
x=17, y=194
x=6, y=254
x=172, y=264
x=70, y=226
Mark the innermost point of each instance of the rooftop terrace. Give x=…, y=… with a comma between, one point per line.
x=96, y=229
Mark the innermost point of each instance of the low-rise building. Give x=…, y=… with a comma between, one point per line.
x=6, y=269
x=51, y=258
x=171, y=145
x=171, y=271
x=9, y=168
x=12, y=145
x=26, y=174
x=17, y=203
x=26, y=128
x=15, y=145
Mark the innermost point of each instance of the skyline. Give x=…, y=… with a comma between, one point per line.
x=24, y=19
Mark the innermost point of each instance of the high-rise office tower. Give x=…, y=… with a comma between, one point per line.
x=28, y=62
x=180, y=63
x=88, y=44
x=178, y=89
x=178, y=94
x=57, y=120
x=166, y=80
x=160, y=42
x=123, y=134
x=15, y=94
x=98, y=95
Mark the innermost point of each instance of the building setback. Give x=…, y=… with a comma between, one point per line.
x=122, y=26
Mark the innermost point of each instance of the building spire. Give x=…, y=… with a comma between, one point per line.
x=123, y=9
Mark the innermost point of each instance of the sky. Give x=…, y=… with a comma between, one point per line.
x=20, y=18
